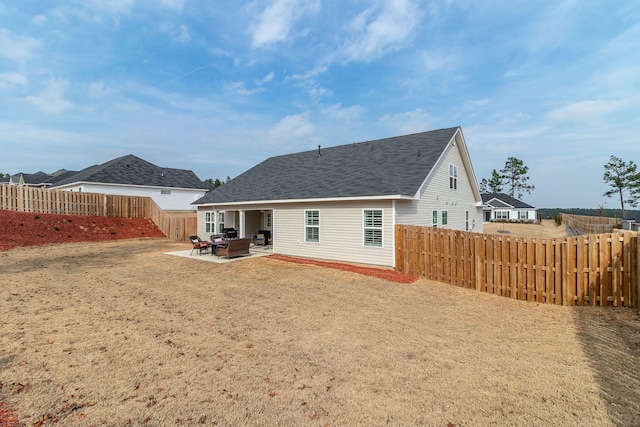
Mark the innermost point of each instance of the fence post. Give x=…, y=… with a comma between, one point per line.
x=563, y=269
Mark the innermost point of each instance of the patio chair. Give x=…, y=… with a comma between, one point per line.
x=199, y=245
x=259, y=239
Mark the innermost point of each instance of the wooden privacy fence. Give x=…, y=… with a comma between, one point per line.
x=590, y=224
x=42, y=200
x=580, y=270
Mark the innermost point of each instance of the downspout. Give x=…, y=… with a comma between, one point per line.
x=393, y=233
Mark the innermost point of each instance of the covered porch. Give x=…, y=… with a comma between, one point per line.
x=247, y=223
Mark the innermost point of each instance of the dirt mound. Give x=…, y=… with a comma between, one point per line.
x=29, y=229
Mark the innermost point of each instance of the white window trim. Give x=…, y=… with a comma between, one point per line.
x=220, y=221
x=211, y=223
x=434, y=223
x=306, y=226
x=444, y=215
x=498, y=217
x=453, y=168
x=381, y=228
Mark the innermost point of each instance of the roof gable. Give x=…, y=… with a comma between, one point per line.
x=132, y=170
x=394, y=166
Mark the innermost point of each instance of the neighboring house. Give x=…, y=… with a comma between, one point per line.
x=342, y=203
x=502, y=207
x=37, y=179
x=171, y=189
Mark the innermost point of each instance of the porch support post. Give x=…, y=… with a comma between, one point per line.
x=241, y=232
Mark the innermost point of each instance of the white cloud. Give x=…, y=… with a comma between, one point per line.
x=174, y=5
x=290, y=129
x=17, y=48
x=51, y=100
x=98, y=89
x=239, y=88
x=266, y=79
x=342, y=114
x=413, y=121
x=585, y=110
x=12, y=78
x=39, y=20
x=277, y=21
x=111, y=7
x=377, y=31
x=317, y=92
x=179, y=33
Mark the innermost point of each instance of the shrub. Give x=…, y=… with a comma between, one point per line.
x=558, y=219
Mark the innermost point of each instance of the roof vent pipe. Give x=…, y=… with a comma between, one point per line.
x=319, y=154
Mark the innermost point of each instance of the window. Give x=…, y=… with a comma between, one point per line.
x=220, y=222
x=522, y=215
x=435, y=218
x=209, y=218
x=453, y=177
x=312, y=226
x=372, y=225
x=165, y=192
x=466, y=220
x=269, y=220
x=502, y=215
x=445, y=219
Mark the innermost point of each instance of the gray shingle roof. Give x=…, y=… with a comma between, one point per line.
x=132, y=170
x=384, y=167
x=506, y=201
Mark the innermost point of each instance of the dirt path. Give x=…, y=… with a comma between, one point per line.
x=118, y=333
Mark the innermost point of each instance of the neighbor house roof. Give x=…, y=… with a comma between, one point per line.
x=30, y=178
x=395, y=166
x=132, y=170
x=501, y=200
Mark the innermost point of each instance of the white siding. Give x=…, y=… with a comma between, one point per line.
x=436, y=195
x=179, y=199
x=341, y=232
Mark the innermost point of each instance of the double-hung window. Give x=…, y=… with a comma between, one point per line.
x=500, y=215
x=453, y=176
x=445, y=217
x=209, y=218
x=435, y=218
x=372, y=227
x=312, y=226
x=220, y=222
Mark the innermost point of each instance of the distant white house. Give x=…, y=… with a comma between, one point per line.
x=342, y=203
x=502, y=207
x=171, y=189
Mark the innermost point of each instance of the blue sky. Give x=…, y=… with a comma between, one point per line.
x=218, y=86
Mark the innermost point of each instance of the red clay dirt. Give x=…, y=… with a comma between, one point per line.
x=29, y=229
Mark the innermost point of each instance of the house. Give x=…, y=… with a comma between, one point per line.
x=37, y=179
x=171, y=189
x=502, y=207
x=342, y=203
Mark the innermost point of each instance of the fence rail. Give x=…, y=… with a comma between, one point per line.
x=42, y=200
x=581, y=270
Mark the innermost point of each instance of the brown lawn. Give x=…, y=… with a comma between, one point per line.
x=546, y=229
x=117, y=333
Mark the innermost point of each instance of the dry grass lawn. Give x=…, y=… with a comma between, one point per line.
x=117, y=333
x=546, y=229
